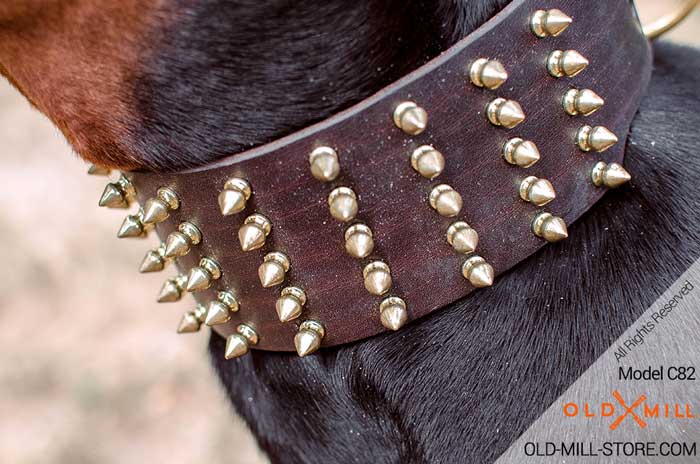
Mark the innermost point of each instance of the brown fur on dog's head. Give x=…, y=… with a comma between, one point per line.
x=74, y=61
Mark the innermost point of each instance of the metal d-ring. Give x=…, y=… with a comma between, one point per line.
x=670, y=20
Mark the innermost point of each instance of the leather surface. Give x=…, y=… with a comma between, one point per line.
x=374, y=159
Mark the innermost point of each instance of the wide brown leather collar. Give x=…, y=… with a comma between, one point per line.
x=392, y=198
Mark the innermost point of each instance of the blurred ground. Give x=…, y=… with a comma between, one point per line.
x=90, y=367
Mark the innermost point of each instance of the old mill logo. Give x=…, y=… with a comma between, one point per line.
x=640, y=411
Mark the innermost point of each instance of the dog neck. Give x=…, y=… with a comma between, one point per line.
x=371, y=171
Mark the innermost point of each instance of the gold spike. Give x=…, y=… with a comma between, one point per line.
x=239, y=343
x=609, y=175
x=177, y=244
x=427, y=161
x=583, y=102
x=566, y=63
x=217, y=314
x=342, y=202
x=519, y=152
x=181, y=241
x=462, y=237
x=133, y=227
x=359, y=241
x=324, y=164
x=95, y=170
x=112, y=197
x=158, y=209
x=506, y=113
x=192, y=320
x=410, y=118
x=549, y=227
x=172, y=289
x=254, y=231
x=219, y=311
x=201, y=277
x=155, y=211
x=445, y=200
x=290, y=303
x=154, y=260
x=596, y=138
x=487, y=73
x=537, y=191
x=309, y=337
x=392, y=313
x=549, y=23
x=377, y=277
x=188, y=324
x=233, y=198
x=126, y=187
x=478, y=272
x=273, y=269
x=118, y=194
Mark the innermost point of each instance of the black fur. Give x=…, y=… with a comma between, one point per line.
x=229, y=75
x=462, y=384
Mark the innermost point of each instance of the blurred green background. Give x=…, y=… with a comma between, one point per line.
x=91, y=369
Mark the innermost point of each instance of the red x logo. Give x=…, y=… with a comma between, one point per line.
x=628, y=410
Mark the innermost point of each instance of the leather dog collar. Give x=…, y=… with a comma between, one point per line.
x=411, y=199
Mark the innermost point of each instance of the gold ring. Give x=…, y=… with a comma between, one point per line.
x=670, y=20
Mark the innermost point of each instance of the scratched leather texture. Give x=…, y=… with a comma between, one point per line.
x=374, y=159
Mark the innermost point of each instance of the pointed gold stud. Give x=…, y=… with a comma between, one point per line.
x=359, y=241
x=172, y=289
x=181, y=241
x=192, y=320
x=549, y=23
x=239, y=343
x=445, y=200
x=583, y=102
x=519, y=152
x=427, y=161
x=537, y=191
x=133, y=226
x=254, y=232
x=118, y=194
x=487, y=73
x=596, y=138
x=462, y=237
x=96, y=170
x=610, y=175
x=478, y=272
x=566, y=63
x=233, y=197
x=506, y=113
x=342, y=202
x=154, y=260
x=308, y=339
x=159, y=208
x=377, y=277
x=392, y=313
x=202, y=276
x=549, y=227
x=112, y=197
x=273, y=269
x=324, y=164
x=219, y=311
x=410, y=118
x=290, y=303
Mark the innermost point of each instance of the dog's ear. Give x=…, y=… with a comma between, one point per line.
x=168, y=84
